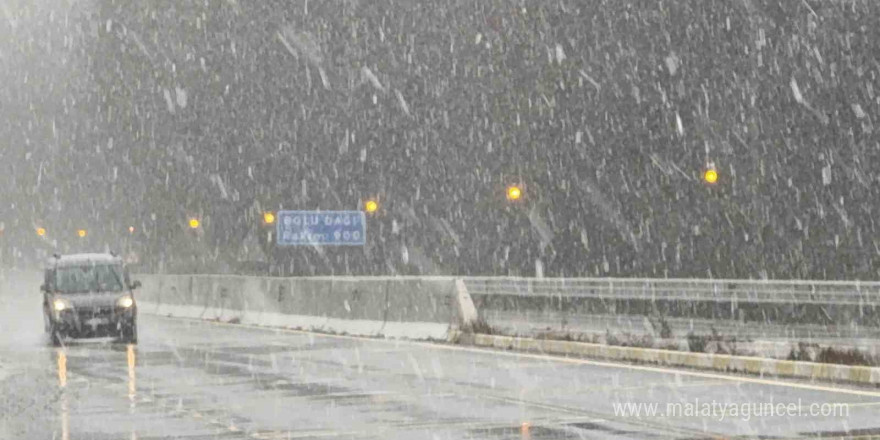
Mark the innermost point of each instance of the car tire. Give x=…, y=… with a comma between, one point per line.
x=129, y=333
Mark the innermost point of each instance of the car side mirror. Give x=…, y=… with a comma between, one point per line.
x=135, y=284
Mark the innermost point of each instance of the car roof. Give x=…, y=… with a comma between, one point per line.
x=83, y=259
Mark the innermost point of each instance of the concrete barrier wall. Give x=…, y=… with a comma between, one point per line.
x=381, y=306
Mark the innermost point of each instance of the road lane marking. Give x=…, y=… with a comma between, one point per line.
x=862, y=404
x=662, y=370
x=550, y=358
x=650, y=386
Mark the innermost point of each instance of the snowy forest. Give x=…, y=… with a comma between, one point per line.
x=142, y=114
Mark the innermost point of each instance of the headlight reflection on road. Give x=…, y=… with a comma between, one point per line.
x=62, y=381
x=62, y=368
x=131, y=357
x=132, y=384
x=65, y=419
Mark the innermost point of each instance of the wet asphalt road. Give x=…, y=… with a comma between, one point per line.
x=197, y=380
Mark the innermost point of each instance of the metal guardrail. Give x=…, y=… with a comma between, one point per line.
x=726, y=291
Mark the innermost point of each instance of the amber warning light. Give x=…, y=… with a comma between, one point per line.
x=371, y=206
x=514, y=193
x=711, y=175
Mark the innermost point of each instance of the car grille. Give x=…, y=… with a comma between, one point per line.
x=96, y=312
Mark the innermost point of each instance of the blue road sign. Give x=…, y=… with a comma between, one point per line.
x=321, y=228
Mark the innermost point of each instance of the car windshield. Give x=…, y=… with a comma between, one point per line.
x=89, y=278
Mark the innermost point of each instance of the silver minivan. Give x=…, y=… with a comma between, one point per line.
x=89, y=296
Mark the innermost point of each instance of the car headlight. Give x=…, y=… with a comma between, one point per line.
x=125, y=302
x=60, y=305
